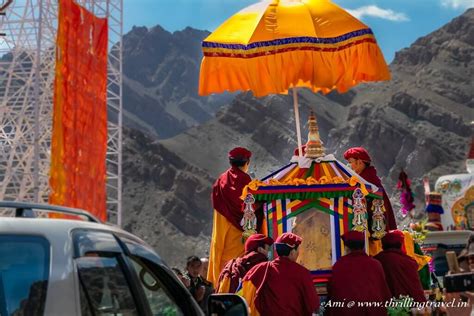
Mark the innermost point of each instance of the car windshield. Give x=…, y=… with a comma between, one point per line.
x=24, y=273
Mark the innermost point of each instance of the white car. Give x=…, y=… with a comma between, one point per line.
x=74, y=267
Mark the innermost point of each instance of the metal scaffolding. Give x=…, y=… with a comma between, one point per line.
x=27, y=63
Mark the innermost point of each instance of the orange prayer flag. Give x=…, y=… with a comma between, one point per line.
x=79, y=140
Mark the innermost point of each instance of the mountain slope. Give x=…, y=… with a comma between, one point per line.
x=160, y=79
x=165, y=200
x=420, y=120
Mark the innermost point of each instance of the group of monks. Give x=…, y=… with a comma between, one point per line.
x=284, y=287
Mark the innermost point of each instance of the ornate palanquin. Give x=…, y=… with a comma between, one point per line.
x=316, y=200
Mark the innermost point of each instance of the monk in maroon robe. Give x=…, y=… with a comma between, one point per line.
x=257, y=247
x=357, y=277
x=360, y=160
x=227, y=242
x=281, y=286
x=401, y=271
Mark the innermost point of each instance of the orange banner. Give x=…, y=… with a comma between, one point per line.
x=79, y=140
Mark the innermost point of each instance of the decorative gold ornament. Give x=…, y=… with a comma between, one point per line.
x=249, y=220
x=359, y=210
x=378, y=220
x=314, y=146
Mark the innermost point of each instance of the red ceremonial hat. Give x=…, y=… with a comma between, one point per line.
x=357, y=153
x=353, y=235
x=393, y=237
x=289, y=239
x=240, y=153
x=255, y=241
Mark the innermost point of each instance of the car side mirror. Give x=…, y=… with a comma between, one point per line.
x=227, y=305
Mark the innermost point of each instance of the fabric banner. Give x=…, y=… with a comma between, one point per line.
x=79, y=139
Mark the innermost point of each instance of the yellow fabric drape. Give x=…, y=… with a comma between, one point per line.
x=226, y=244
x=79, y=136
x=410, y=249
x=375, y=246
x=248, y=292
x=224, y=286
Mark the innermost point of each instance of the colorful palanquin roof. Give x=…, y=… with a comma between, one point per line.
x=311, y=179
x=322, y=183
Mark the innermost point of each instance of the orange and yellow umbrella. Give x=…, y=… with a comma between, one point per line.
x=272, y=46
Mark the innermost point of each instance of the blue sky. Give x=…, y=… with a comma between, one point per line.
x=396, y=23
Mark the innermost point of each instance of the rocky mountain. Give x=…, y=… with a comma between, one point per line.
x=419, y=121
x=160, y=79
x=266, y=125
x=422, y=119
x=165, y=199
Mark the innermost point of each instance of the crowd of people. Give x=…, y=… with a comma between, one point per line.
x=282, y=286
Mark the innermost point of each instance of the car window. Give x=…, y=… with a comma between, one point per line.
x=160, y=301
x=105, y=287
x=175, y=290
x=24, y=274
x=86, y=309
x=86, y=241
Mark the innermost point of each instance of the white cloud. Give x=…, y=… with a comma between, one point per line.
x=375, y=11
x=456, y=4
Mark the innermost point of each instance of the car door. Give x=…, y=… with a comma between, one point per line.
x=165, y=294
x=106, y=283
x=119, y=276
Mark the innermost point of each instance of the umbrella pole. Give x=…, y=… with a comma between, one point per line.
x=297, y=120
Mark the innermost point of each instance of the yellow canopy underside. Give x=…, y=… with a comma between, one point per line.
x=272, y=46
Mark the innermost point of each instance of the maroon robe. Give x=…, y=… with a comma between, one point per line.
x=226, y=193
x=370, y=174
x=401, y=273
x=237, y=268
x=359, y=278
x=283, y=288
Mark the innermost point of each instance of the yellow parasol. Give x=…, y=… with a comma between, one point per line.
x=272, y=46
